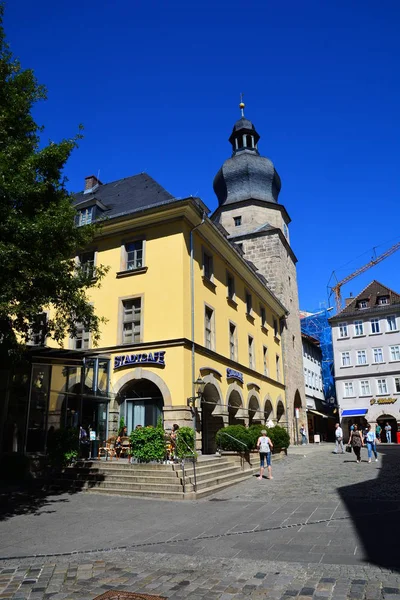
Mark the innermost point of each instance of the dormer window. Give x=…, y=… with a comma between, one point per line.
x=383, y=300
x=237, y=221
x=86, y=216
x=362, y=304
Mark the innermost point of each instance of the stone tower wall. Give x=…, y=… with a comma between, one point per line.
x=274, y=261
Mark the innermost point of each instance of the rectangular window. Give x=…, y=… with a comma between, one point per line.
x=86, y=216
x=134, y=255
x=391, y=323
x=131, y=321
x=251, y=352
x=230, y=286
x=275, y=327
x=358, y=328
x=383, y=300
x=265, y=360
x=278, y=367
x=309, y=378
x=86, y=261
x=382, y=386
x=378, y=355
x=343, y=331
x=38, y=330
x=263, y=314
x=320, y=383
x=305, y=377
x=346, y=359
x=232, y=341
x=348, y=389
x=82, y=338
x=361, y=357
x=375, y=326
x=365, y=388
x=237, y=221
x=209, y=328
x=363, y=304
x=207, y=266
x=394, y=352
x=249, y=303
x=397, y=384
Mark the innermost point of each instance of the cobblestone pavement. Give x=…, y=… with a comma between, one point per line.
x=324, y=527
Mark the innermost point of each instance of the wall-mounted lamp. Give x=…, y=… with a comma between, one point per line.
x=199, y=386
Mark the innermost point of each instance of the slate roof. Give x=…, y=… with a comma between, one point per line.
x=371, y=294
x=127, y=195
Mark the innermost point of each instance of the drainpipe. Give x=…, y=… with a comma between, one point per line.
x=192, y=311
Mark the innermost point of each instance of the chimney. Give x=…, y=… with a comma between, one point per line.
x=348, y=300
x=91, y=183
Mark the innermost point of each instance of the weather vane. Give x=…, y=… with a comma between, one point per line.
x=242, y=105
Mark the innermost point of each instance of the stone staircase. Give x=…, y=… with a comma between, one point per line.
x=169, y=482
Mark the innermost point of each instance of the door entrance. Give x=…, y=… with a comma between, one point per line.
x=383, y=421
x=143, y=404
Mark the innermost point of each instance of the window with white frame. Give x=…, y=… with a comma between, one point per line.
x=305, y=377
x=86, y=216
x=375, y=327
x=394, y=352
x=249, y=303
x=320, y=383
x=348, y=389
x=251, y=352
x=265, y=361
x=230, y=286
x=209, y=327
x=391, y=323
x=382, y=386
x=207, y=266
x=278, y=367
x=358, y=328
x=38, y=330
x=232, y=341
x=263, y=314
x=383, y=300
x=361, y=357
x=237, y=221
x=134, y=255
x=86, y=261
x=343, y=330
x=378, y=355
x=365, y=388
x=346, y=359
x=362, y=304
x=309, y=378
x=397, y=384
x=82, y=338
x=131, y=321
x=275, y=327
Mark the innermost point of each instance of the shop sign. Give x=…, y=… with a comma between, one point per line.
x=232, y=374
x=151, y=358
x=383, y=401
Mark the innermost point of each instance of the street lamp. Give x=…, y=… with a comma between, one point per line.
x=199, y=386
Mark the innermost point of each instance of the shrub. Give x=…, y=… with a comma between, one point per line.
x=185, y=442
x=63, y=447
x=279, y=437
x=224, y=442
x=121, y=425
x=255, y=431
x=148, y=444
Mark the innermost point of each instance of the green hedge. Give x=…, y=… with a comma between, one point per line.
x=148, y=444
x=185, y=443
x=241, y=433
x=278, y=435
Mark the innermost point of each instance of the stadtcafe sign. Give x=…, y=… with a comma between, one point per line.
x=145, y=358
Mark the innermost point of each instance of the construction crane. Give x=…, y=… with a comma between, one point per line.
x=336, y=289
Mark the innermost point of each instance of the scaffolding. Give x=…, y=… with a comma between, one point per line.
x=316, y=325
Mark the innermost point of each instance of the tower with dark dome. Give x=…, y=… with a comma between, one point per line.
x=247, y=187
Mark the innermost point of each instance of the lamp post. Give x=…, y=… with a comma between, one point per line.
x=199, y=386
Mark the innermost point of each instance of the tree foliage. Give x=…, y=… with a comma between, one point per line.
x=38, y=236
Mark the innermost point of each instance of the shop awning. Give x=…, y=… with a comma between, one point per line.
x=315, y=412
x=356, y=412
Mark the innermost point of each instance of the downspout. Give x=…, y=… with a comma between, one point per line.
x=192, y=310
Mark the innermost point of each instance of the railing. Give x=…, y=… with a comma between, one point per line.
x=193, y=453
x=239, y=442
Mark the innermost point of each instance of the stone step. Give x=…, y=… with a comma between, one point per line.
x=124, y=486
x=124, y=477
x=157, y=495
x=207, y=472
x=212, y=489
x=219, y=480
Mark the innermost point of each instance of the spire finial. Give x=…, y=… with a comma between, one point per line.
x=242, y=104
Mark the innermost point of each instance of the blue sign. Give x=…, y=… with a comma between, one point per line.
x=232, y=374
x=156, y=358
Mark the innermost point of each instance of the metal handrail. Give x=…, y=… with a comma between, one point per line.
x=193, y=453
x=233, y=438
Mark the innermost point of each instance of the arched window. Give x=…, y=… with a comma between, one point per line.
x=249, y=141
x=240, y=142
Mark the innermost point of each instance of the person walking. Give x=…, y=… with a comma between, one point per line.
x=303, y=434
x=388, y=431
x=371, y=444
x=356, y=442
x=264, y=446
x=378, y=431
x=339, y=439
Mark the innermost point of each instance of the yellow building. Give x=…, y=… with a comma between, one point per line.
x=182, y=305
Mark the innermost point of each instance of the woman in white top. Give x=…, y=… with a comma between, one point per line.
x=264, y=446
x=371, y=443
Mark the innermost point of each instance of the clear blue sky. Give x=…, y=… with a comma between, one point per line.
x=156, y=85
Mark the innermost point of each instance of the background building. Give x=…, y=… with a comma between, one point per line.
x=247, y=187
x=366, y=340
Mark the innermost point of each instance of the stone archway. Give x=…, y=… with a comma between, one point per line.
x=391, y=420
x=268, y=409
x=280, y=411
x=235, y=404
x=254, y=412
x=211, y=421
